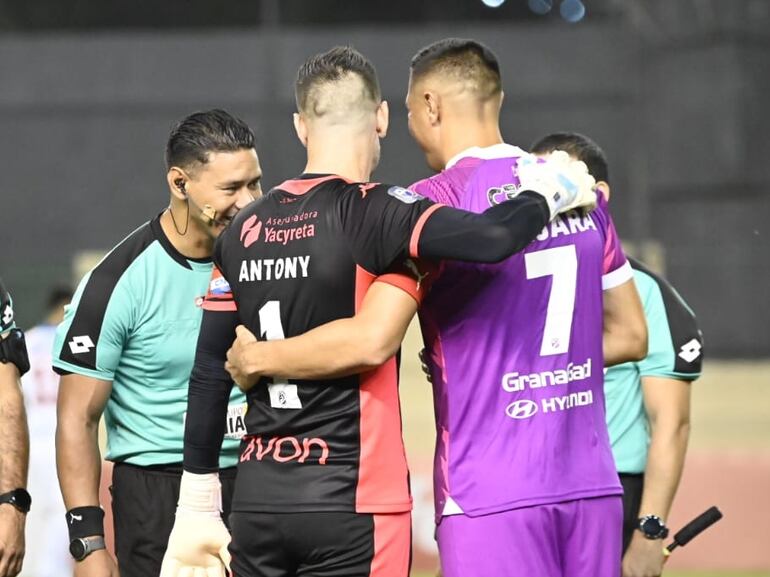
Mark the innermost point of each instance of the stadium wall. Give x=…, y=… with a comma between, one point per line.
x=84, y=119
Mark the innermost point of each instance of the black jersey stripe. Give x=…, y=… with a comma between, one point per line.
x=97, y=293
x=682, y=324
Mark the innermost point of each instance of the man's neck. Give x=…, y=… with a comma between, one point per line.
x=463, y=140
x=350, y=158
x=184, y=234
x=467, y=125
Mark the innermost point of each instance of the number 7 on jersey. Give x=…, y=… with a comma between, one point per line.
x=561, y=264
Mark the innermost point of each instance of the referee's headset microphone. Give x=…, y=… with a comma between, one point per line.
x=207, y=214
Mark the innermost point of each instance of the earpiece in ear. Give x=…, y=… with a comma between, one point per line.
x=180, y=185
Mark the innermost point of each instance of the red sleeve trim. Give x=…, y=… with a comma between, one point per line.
x=414, y=243
x=406, y=283
x=219, y=306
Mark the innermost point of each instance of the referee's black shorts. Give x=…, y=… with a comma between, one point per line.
x=320, y=544
x=633, y=483
x=143, y=507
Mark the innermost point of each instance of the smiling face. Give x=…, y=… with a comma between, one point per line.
x=227, y=182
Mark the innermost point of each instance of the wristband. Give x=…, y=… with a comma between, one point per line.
x=85, y=522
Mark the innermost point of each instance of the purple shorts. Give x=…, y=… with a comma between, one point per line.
x=581, y=538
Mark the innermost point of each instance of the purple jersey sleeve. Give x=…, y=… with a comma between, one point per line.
x=616, y=269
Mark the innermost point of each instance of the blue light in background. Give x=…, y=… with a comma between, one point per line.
x=541, y=7
x=572, y=10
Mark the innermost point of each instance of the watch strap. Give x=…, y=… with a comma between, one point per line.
x=19, y=498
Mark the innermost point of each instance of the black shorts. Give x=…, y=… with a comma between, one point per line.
x=632, y=500
x=321, y=544
x=143, y=507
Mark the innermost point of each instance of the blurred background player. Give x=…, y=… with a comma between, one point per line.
x=648, y=402
x=46, y=534
x=127, y=345
x=322, y=483
x=14, y=441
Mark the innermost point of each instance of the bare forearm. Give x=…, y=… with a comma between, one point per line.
x=78, y=460
x=14, y=436
x=339, y=348
x=665, y=461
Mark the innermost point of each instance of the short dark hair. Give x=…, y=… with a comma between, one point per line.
x=331, y=66
x=58, y=296
x=462, y=58
x=579, y=146
x=193, y=138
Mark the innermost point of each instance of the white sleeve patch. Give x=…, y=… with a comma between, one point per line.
x=617, y=277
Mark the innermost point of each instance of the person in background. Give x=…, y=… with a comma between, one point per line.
x=126, y=347
x=648, y=402
x=46, y=535
x=15, y=501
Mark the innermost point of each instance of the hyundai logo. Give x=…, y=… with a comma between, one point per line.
x=522, y=409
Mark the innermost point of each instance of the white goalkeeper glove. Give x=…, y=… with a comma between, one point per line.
x=563, y=182
x=198, y=542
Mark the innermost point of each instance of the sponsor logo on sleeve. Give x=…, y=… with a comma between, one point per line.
x=690, y=350
x=415, y=270
x=498, y=194
x=219, y=286
x=404, y=194
x=7, y=314
x=81, y=344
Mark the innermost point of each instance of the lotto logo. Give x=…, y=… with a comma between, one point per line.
x=7, y=315
x=81, y=344
x=690, y=351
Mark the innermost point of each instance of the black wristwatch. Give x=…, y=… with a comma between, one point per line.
x=653, y=527
x=82, y=547
x=19, y=498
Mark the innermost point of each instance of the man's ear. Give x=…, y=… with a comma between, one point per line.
x=177, y=180
x=300, y=127
x=432, y=102
x=604, y=187
x=383, y=119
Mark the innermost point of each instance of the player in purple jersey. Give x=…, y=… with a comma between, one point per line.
x=525, y=479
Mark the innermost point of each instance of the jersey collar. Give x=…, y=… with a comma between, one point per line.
x=307, y=181
x=164, y=241
x=501, y=150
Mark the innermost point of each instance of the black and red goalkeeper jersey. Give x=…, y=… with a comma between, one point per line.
x=299, y=257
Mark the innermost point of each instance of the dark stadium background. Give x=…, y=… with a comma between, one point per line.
x=675, y=91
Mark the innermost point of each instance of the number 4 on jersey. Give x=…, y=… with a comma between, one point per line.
x=561, y=264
